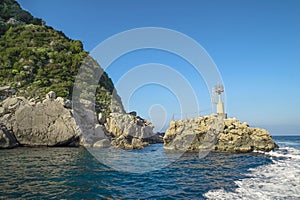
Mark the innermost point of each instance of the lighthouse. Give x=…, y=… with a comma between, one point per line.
x=217, y=99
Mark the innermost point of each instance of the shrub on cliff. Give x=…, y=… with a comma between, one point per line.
x=36, y=59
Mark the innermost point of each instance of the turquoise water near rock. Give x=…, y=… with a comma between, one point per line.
x=73, y=173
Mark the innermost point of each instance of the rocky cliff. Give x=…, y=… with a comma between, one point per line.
x=53, y=122
x=37, y=61
x=31, y=123
x=216, y=134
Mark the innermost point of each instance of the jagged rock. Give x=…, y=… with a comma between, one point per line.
x=202, y=132
x=49, y=123
x=7, y=138
x=124, y=127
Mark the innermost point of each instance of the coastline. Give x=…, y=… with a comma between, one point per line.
x=51, y=122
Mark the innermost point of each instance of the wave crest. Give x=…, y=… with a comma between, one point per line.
x=278, y=180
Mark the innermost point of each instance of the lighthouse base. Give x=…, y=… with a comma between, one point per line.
x=224, y=115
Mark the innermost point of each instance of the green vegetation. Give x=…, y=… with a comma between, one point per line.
x=36, y=59
x=11, y=11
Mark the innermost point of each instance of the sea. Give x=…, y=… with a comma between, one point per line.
x=75, y=173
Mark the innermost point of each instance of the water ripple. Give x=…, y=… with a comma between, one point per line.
x=72, y=173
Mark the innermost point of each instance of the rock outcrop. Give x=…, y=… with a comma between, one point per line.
x=216, y=134
x=46, y=123
x=53, y=122
x=239, y=137
x=128, y=131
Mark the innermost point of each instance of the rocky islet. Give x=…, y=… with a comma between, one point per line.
x=214, y=133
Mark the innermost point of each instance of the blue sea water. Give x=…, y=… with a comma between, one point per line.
x=73, y=173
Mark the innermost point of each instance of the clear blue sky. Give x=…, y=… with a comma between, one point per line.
x=254, y=43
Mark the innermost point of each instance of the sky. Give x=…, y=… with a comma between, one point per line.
x=255, y=45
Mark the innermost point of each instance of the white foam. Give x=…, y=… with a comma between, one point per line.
x=286, y=152
x=279, y=180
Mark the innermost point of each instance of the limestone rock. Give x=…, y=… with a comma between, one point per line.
x=51, y=95
x=47, y=124
x=60, y=100
x=225, y=135
x=127, y=129
x=88, y=122
x=40, y=124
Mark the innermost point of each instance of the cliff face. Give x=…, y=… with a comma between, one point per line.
x=222, y=135
x=37, y=61
x=31, y=123
x=118, y=129
x=53, y=122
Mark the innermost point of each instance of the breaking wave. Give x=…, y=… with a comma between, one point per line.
x=278, y=180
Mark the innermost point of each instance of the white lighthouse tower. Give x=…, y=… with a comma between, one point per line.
x=217, y=99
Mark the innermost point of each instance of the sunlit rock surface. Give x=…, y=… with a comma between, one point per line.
x=217, y=134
